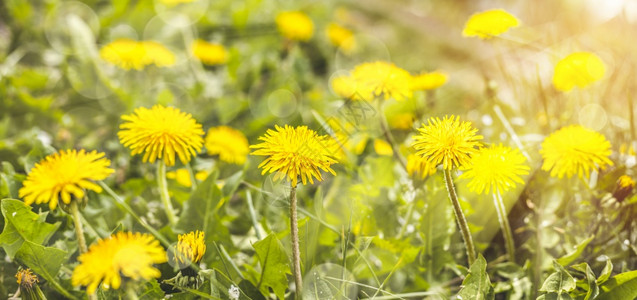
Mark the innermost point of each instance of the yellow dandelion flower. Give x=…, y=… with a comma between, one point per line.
x=428, y=81
x=129, y=54
x=340, y=37
x=579, y=69
x=182, y=176
x=624, y=187
x=381, y=147
x=419, y=165
x=575, y=150
x=346, y=87
x=448, y=142
x=28, y=282
x=295, y=25
x=190, y=248
x=64, y=174
x=490, y=23
x=127, y=254
x=403, y=121
x=382, y=79
x=497, y=168
x=209, y=53
x=231, y=145
x=160, y=132
x=295, y=152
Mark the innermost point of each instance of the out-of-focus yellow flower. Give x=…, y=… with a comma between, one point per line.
x=575, y=150
x=295, y=152
x=345, y=86
x=341, y=37
x=231, y=145
x=404, y=121
x=496, y=169
x=382, y=79
x=182, y=176
x=490, y=23
x=579, y=69
x=428, y=81
x=129, y=54
x=127, y=254
x=295, y=25
x=209, y=53
x=175, y=2
x=448, y=142
x=190, y=248
x=381, y=147
x=419, y=165
x=161, y=132
x=624, y=187
x=66, y=173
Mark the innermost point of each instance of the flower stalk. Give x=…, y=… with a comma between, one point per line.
x=460, y=218
x=79, y=231
x=163, y=192
x=296, y=253
x=504, y=225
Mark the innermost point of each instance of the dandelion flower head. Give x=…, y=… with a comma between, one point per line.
x=345, y=86
x=579, y=69
x=190, y=248
x=448, y=142
x=428, y=81
x=64, y=174
x=175, y=2
x=127, y=254
x=161, y=132
x=490, y=23
x=295, y=151
x=231, y=145
x=575, y=150
x=624, y=187
x=129, y=54
x=340, y=37
x=26, y=278
x=419, y=165
x=496, y=168
x=382, y=79
x=209, y=53
x=295, y=25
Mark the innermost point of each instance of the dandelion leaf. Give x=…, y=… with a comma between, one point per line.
x=274, y=266
x=477, y=284
x=21, y=225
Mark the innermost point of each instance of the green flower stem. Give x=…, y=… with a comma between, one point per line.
x=296, y=253
x=79, y=232
x=462, y=222
x=389, y=137
x=131, y=294
x=504, y=225
x=133, y=214
x=163, y=192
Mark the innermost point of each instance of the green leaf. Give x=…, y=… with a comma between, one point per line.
x=45, y=261
x=21, y=224
x=558, y=282
x=274, y=266
x=152, y=291
x=606, y=272
x=575, y=254
x=621, y=286
x=477, y=284
x=592, y=288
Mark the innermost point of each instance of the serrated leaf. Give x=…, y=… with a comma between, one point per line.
x=621, y=286
x=558, y=282
x=45, y=261
x=151, y=291
x=21, y=224
x=477, y=284
x=575, y=254
x=274, y=266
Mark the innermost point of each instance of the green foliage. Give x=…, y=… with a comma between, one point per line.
x=477, y=284
x=22, y=225
x=274, y=264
